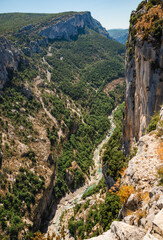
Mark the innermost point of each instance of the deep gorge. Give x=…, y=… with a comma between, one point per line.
x=61, y=76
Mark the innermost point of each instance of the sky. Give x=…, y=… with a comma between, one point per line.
x=110, y=13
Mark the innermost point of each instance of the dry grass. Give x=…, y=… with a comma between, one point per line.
x=160, y=152
x=142, y=196
x=129, y=212
x=140, y=214
x=124, y=193
x=160, y=170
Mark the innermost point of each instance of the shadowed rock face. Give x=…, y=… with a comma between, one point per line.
x=144, y=87
x=70, y=27
x=9, y=61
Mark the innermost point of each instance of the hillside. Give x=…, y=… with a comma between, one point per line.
x=119, y=35
x=54, y=111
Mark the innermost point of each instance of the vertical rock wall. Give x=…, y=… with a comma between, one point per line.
x=144, y=86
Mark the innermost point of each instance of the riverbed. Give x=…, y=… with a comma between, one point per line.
x=71, y=199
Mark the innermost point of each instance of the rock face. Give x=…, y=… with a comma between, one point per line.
x=109, y=181
x=69, y=28
x=144, y=83
x=10, y=60
x=122, y=231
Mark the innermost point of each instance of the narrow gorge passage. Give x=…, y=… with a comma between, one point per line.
x=71, y=199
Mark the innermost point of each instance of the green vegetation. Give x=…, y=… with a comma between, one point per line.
x=113, y=155
x=147, y=23
x=152, y=3
x=19, y=200
x=157, y=29
x=148, y=4
x=109, y=210
x=81, y=69
x=103, y=214
x=141, y=5
x=153, y=123
x=12, y=22
x=94, y=189
x=16, y=106
x=100, y=216
x=81, y=64
x=160, y=175
x=75, y=97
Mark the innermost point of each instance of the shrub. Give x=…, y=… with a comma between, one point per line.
x=124, y=193
x=141, y=5
x=153, y=123
x=157, y=29
x=38, y=236
x=152, y=3
x=109, y=210
x=160, y=170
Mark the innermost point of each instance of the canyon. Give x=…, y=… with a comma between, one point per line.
x=67, y=171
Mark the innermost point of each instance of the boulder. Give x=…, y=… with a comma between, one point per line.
x=157, y=224
x=148, y=236
x=106, y=236
x=125, y=231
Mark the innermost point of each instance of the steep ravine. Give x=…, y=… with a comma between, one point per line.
x=71, y=199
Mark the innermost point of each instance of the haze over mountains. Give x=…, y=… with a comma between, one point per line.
x=119, y=35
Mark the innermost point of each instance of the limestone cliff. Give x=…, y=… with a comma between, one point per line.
x=68, y=28
x=10, y=60
x=144, y=70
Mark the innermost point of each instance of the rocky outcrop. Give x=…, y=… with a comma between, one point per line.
x=109, y=180
x=144, y=81
x=10, y=61
x=122, y=231
x=69, y=28
x=44, y=207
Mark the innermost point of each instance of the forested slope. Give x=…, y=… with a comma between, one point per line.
x=54, y=112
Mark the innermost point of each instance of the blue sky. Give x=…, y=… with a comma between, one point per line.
x=111, y=13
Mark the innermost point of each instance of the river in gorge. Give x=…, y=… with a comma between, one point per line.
x=71, y=199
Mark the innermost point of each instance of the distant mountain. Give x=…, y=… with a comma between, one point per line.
x=119, y=35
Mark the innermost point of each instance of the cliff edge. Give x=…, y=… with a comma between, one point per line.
x=144, y=70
